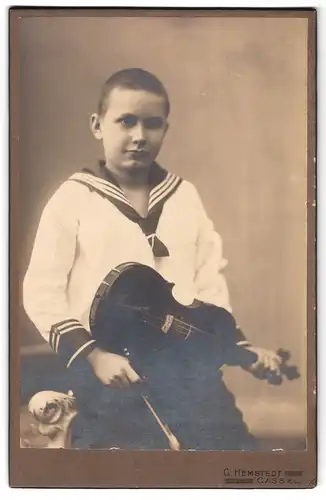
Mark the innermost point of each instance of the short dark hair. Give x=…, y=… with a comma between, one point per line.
x=135, y=79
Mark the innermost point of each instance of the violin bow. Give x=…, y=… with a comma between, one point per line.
x=173, y=442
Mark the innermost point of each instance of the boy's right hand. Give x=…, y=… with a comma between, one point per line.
x=112, y=369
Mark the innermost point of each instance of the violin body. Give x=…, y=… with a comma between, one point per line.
x=135, y=314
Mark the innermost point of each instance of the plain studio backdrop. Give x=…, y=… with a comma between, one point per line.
x=238, y=131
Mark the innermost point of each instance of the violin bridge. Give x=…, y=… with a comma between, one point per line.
x=167, y=323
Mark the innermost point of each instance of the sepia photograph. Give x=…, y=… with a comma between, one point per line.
x=162, y=190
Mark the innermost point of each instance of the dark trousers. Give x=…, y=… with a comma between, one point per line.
x=186, y=391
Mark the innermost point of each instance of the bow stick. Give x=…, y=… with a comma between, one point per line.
x=173, y=442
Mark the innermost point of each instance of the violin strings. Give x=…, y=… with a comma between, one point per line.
x=187, y=326
x=179, y=329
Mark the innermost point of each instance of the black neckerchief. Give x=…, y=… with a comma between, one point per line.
x=162, y=185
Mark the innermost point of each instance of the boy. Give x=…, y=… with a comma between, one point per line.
x=125, y=209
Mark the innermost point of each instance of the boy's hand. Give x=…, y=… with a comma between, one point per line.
x=112, y=369
x=268, y=361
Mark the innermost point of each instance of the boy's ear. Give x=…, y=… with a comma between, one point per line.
x=95, y=124
x=167, y=125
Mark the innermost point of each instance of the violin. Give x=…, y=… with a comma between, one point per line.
x=134, y=314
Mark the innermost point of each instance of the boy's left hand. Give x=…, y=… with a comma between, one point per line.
x=268, y=362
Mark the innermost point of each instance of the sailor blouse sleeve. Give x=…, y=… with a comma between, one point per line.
x=210, y=282
x=45, y=283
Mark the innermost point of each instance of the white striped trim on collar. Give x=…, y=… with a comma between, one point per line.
x=164, y=191
x=105, y=183
x=157, y=194
x=102, y=185
x=161, y=184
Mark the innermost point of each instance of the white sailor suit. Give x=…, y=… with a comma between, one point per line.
x=87, y=228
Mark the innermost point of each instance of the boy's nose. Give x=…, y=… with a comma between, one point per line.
x=138, y=135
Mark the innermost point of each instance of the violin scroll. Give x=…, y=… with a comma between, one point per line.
x=290, y=372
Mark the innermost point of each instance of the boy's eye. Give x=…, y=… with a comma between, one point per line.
x=128, y=121
x=154, y=122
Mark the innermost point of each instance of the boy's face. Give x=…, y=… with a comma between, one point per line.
x=132, y=129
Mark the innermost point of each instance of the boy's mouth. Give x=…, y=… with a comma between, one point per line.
x=137, y=153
